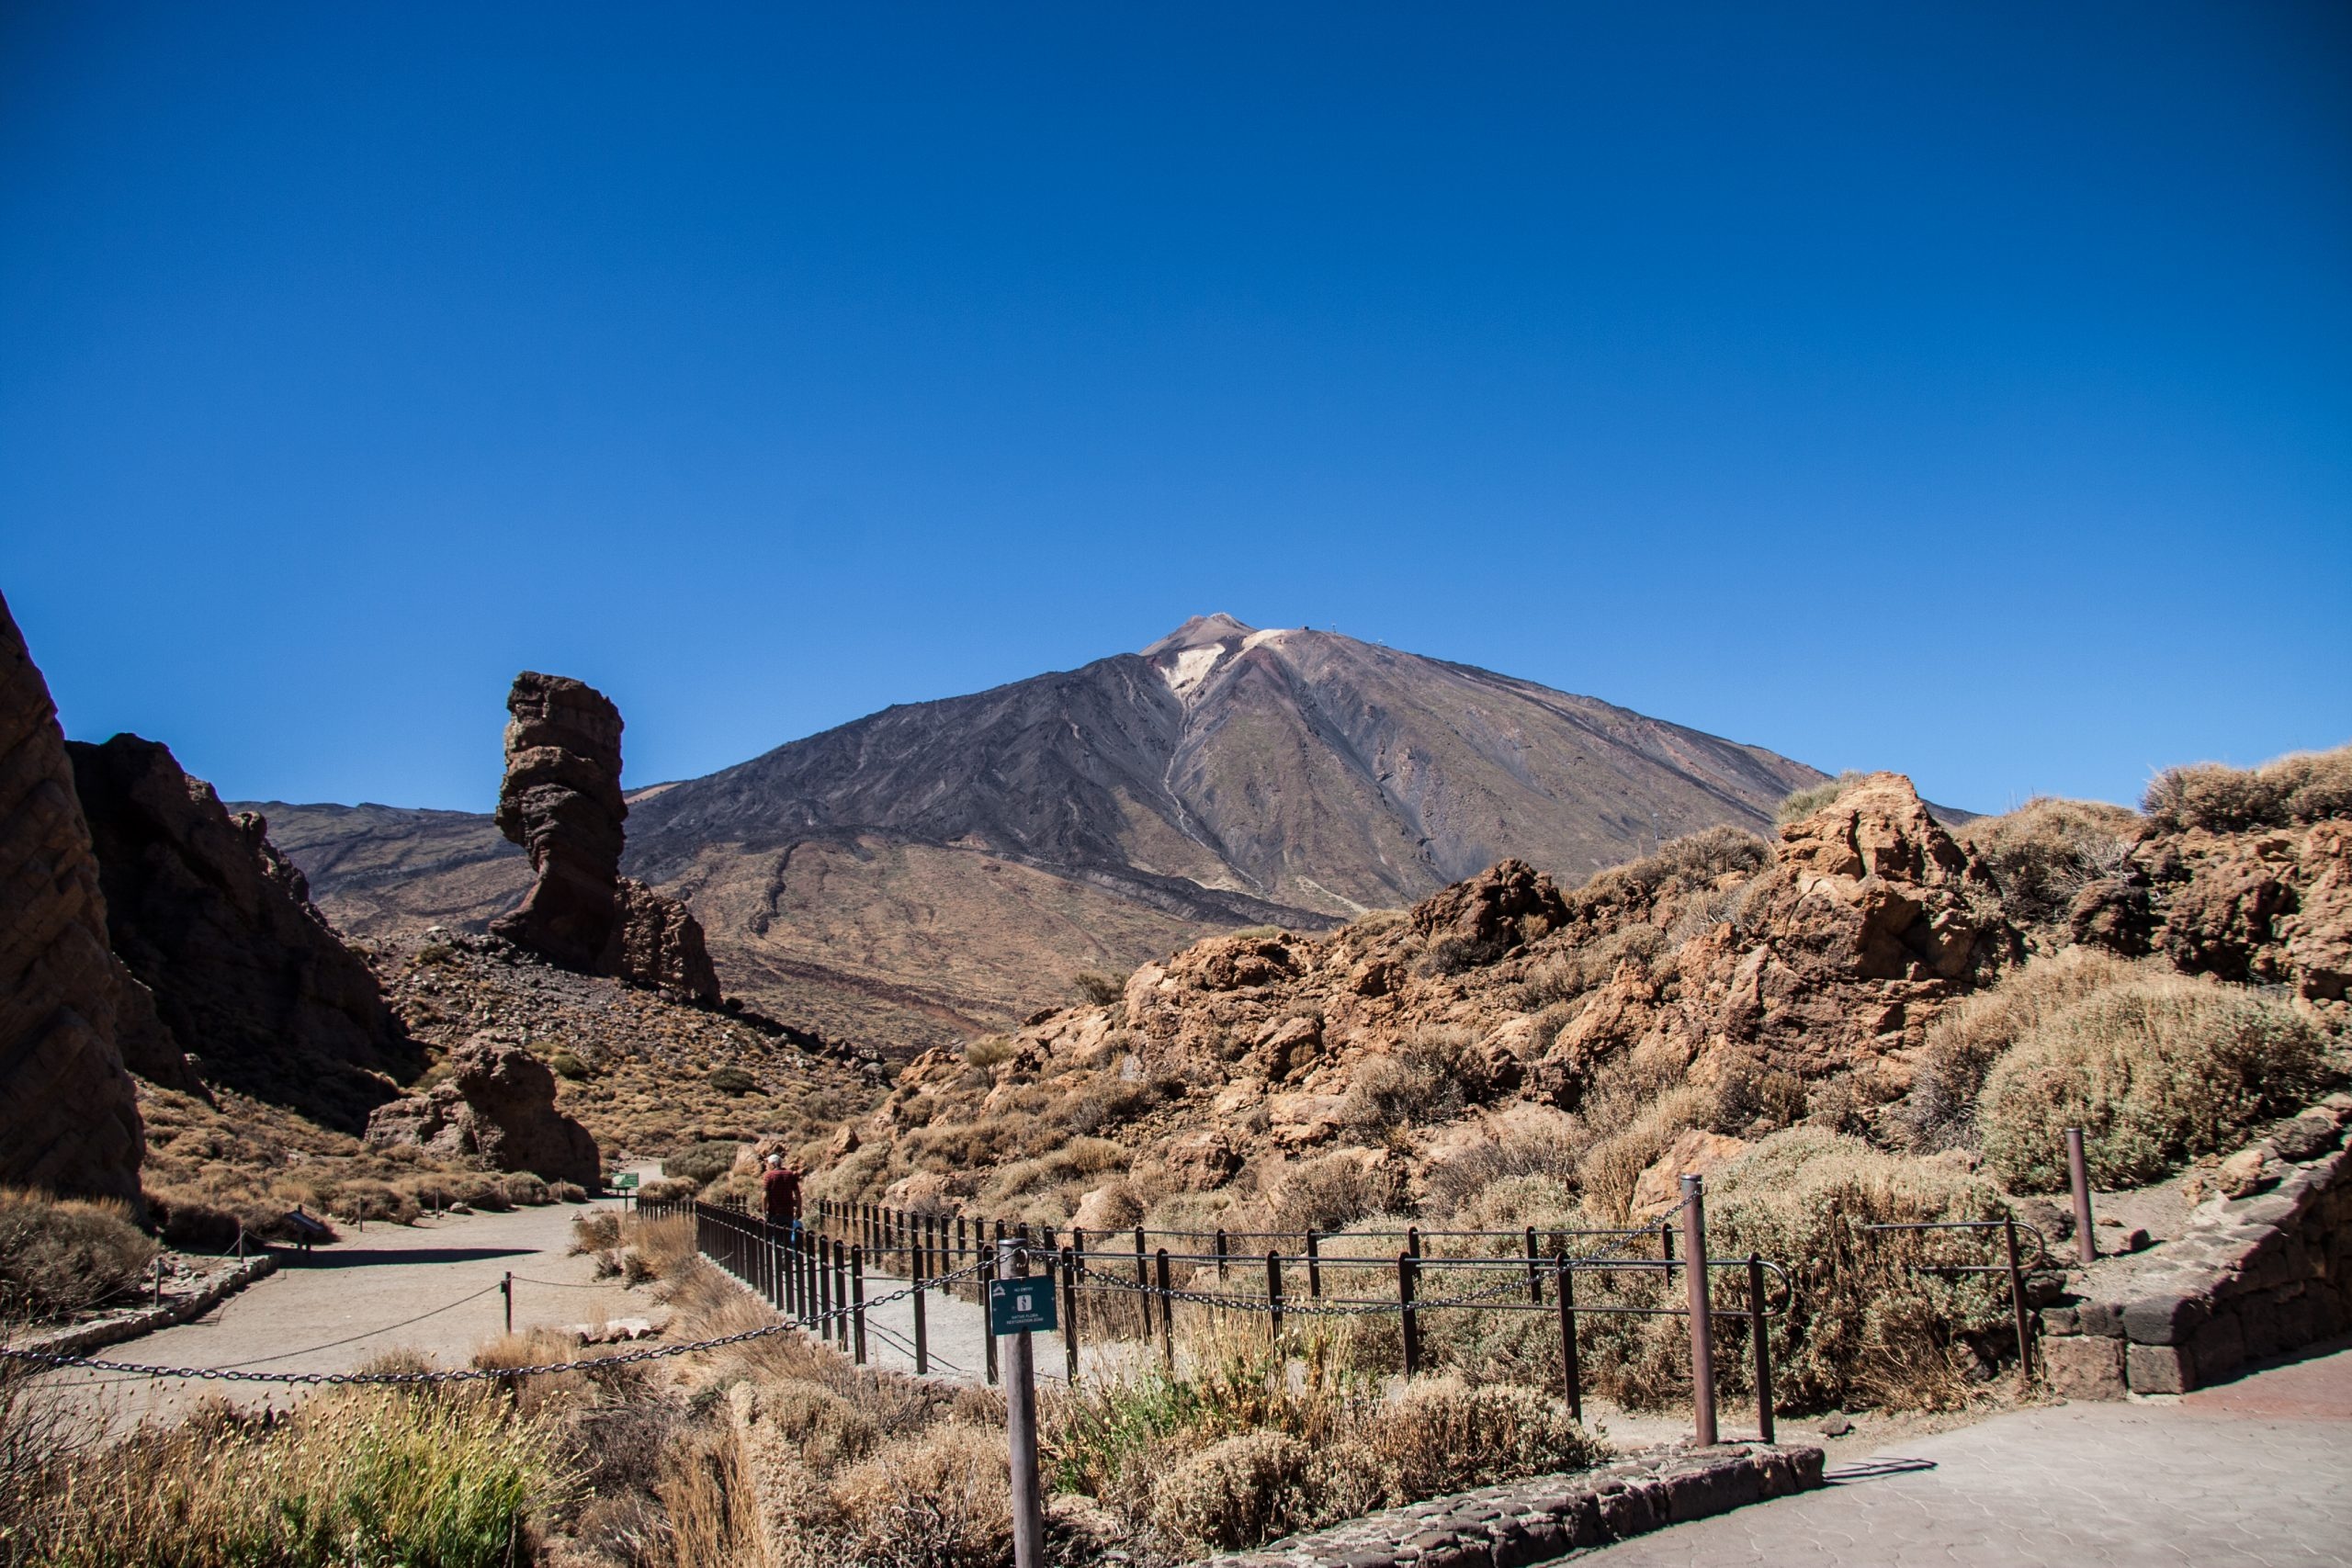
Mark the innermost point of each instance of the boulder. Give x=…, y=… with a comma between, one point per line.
x=69, y=1118
x=1511, y=903
x=245, y=974
x=498, y=1105
x=1201, y=1161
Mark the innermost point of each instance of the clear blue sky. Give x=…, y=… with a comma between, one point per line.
x=1963, y=388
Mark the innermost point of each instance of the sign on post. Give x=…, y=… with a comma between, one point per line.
x=625, y=1179
x=1022, y=1305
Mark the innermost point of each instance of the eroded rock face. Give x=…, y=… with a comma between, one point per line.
x=1511, y=902
x=68, y=1118
x=247, y=976
x=498, y=1105
x=562, y=802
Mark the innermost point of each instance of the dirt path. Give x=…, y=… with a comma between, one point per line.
x=431, y=1287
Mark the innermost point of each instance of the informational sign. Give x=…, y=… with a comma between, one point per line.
x=625, y=1179
x=1019, y=1306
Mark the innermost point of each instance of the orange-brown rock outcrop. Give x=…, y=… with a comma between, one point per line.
x=68, y=1118
x=562, y=802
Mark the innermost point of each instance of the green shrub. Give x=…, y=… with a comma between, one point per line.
x=731, y=1080
x=702, y=1163
x=59, y=1256
x=2155, y=1071
x=2305, y=786
x=369, y=1476
x=569, y=1065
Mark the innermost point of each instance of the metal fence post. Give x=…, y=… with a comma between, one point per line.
x=841, y=1293
x=1535, y=1271
x=1274, y=1294
x=921, y=1266
x=1571, y=1373
x=1069, y=1313
x=2078, y=1177
x=1143, y=1283
x=1314, y=1268
x=1703, y=1328
x=1757, y=1328
x=1407, y=1266
x=857, y=1298
x=1220, y=1255
x=2017, y=1301
x=1167, y=1314
x=506, y=1289
x=988, y=1334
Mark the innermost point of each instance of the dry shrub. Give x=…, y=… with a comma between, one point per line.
x=596, y=1231
x=1428, y=1076
x=1538, y=1143
x=59, y=1256
x=2155, y=1070
x=706, y=1502
x=1607, y=1173
x=2304, y=786
x=1329, y=1192
x=1688, y=864
x=1939, y=1109
x=702, y=1163
x=1563, y=975
x=1100, y=990
x=989, y=1051
x=2046, y=851
x=941, y=1498
x=1438, y=1435
x=1237, y=1492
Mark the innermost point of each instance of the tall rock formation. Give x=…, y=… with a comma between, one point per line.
x=562, y=802
x=68, y=1117
x=246, y=975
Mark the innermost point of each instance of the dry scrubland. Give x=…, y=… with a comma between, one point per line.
x=1868, y=1020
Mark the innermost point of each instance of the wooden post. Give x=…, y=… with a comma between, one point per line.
x=1702, y=1328
x=1274, y=1294
x=1167, y=1316
x=1070, y=1313
x=1406, y=1267
x=1020, y=1421
x=857, y=1298
x=1763, y=1346
x=1571, y=1372
x=2078, y=1177
x=1220, y=1255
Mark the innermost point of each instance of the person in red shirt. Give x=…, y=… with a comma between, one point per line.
x=780, y=1188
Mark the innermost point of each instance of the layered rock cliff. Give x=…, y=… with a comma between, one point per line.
x=247, y=976
x=560, y=800
x=68, y=1117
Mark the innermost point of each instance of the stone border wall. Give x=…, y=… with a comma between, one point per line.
x=2252, y=1276
x=1535, y=1521
x=131, y=1326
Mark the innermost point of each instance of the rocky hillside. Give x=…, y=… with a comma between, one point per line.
x=1867, y=972
x=941, y=868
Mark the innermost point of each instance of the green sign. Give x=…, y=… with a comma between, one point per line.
x=1016, y=1306
x=625, y=1179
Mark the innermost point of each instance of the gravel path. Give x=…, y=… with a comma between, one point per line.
x=431, y=1287
x=2255, y=1471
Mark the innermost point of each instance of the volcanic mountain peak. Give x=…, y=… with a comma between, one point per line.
x=1200, y=631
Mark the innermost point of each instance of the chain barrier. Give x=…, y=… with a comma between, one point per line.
x=468, y=1374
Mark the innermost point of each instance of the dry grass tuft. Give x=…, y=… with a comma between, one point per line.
x=2046, y=851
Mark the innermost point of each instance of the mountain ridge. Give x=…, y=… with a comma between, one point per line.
x=943, y=866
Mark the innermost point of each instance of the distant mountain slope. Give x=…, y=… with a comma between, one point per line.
x=945, y=866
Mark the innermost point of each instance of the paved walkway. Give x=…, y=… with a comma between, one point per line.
x=2256, y=1472
x=431, y=1287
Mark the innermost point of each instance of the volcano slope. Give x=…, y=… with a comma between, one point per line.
x=942, y=869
